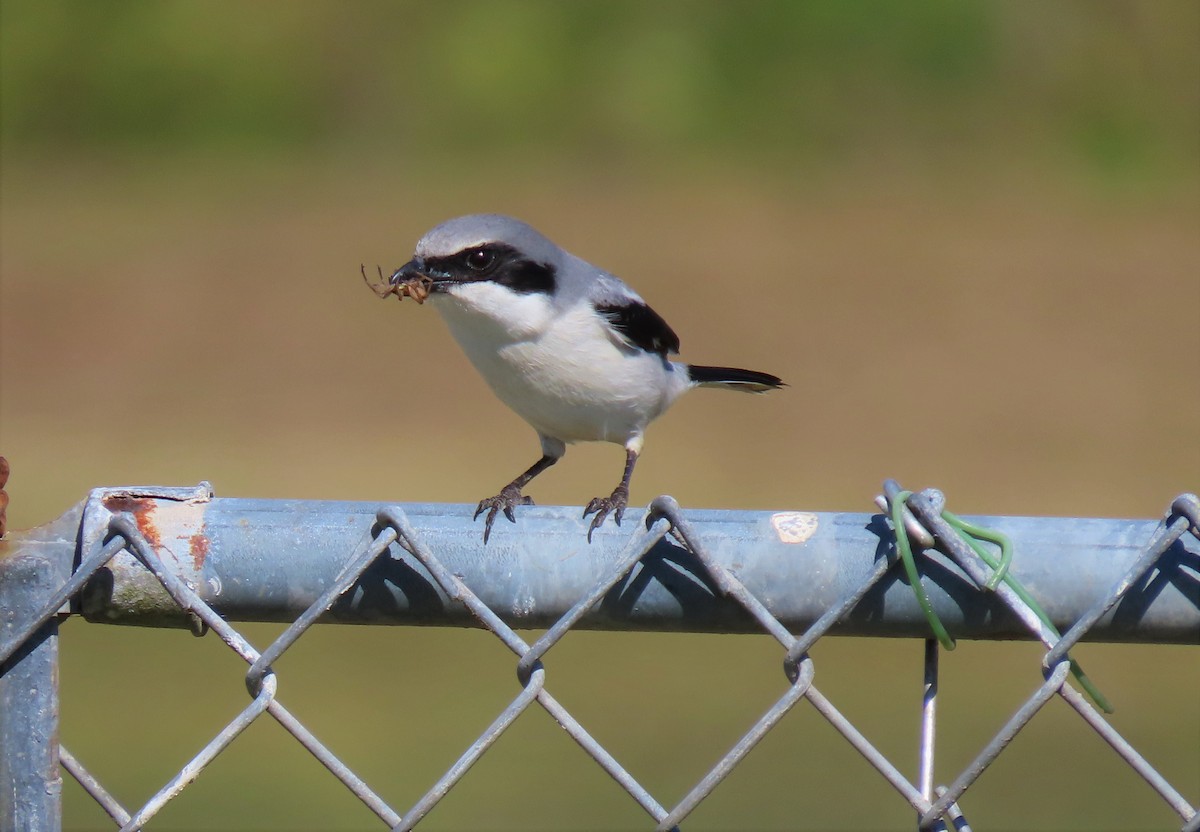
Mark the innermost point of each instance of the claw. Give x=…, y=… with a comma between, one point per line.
x=509, y=498
x=603, y=506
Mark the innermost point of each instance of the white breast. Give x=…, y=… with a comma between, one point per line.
x=563, y=371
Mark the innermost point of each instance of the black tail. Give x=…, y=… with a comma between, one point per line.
x=751, y=381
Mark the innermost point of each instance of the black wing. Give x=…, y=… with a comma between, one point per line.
x=640, y=325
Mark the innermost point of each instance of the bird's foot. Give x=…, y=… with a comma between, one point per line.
x=509, y=498
x=602, y=506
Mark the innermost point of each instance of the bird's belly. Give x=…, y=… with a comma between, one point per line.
x=576, y=394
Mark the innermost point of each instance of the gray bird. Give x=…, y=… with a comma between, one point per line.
x=569, y=347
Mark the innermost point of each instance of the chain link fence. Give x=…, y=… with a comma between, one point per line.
x=158, y=556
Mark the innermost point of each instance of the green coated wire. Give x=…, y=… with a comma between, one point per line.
x=910, y=569
x=1084, y=682
x=970, y=530
x=972, y=534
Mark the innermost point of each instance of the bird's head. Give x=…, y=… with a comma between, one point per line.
x=486, y=263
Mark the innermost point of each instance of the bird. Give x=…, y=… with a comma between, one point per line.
x=569, y=347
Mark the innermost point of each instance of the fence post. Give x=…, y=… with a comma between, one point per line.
x=30, y=782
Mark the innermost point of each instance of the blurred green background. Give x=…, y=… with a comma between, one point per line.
x=965, y=233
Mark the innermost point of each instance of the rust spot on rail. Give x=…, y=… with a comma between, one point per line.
x=142, y=510
x=198, y=546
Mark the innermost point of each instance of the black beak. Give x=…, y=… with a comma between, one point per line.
x=413, y=268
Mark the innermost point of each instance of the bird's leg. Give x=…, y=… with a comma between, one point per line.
x=615, y=502
x=510, y=496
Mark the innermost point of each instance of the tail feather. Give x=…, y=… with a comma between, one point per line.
x=750, y=381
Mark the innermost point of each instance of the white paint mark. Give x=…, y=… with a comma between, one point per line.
x=794, y=526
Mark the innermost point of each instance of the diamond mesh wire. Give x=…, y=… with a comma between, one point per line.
x=936, y=807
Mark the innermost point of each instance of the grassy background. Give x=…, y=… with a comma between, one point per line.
x=965, y=233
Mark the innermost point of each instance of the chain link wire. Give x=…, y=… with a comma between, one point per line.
x=936, y=807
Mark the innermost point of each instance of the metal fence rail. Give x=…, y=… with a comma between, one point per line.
x=180, y=557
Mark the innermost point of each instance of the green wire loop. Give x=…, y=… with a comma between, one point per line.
x=970, y=530
x=972, y=535
x=1084, y=682
x=910, y=569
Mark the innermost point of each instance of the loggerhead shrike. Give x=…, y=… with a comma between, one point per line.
x=569, y=347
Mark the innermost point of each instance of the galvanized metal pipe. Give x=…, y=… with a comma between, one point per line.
x=30, y=783
x=268, y=560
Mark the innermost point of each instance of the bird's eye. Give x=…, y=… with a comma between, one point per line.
x=480, y=259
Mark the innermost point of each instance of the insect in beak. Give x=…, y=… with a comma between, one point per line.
x=416, y=286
